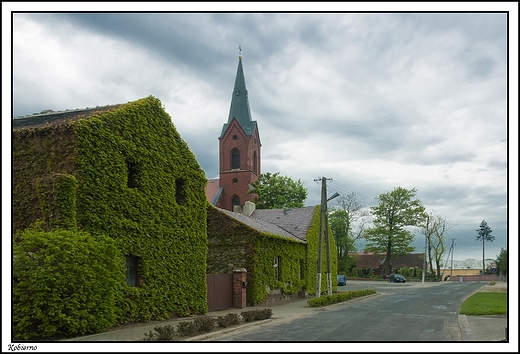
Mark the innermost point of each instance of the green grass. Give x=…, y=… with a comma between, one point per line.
x=485, y=303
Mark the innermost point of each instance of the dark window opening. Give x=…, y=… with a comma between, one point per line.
x=179, y=191
x=132, y=274
x=255, y=167
x=235, y=200
x=235, y=180
x=131, y=168
x=235, y=159
x=235, y=137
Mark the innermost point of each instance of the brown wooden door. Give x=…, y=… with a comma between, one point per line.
x=220, y=291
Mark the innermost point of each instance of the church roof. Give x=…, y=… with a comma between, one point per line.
x=240, y=104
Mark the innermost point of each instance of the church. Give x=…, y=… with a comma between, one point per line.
x=239, y=151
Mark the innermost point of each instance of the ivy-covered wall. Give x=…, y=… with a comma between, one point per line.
x=137, y=182
x=233, y=244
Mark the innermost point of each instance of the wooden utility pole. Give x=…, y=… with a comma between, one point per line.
x=322, y=211
x=324, y=229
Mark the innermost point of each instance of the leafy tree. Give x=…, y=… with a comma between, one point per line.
x=276, y=192
x=434, y=230
x=396, y=211
x=501, y=262
x=484, y=234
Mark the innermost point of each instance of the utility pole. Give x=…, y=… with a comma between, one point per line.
x=324, y=229
x=322, y=210
x=425, y=248
x=451, y=268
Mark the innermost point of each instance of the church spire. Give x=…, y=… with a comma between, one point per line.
x=239, y=102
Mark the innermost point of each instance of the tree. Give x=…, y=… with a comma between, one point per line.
x=434, y=230
x=276, y=192
x=346, y=213
x=396, y=211
x=484, y=234
x=501, y=262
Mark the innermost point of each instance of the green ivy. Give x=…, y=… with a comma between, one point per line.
x=64, y=283
x=161, y=219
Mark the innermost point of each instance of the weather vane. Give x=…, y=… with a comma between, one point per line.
x=239, y=51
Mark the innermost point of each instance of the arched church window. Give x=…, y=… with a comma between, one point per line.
x=235, y=159
x=235, y=201
x=255, y=166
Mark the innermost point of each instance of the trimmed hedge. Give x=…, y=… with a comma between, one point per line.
x=339, y=297
x=64, y=283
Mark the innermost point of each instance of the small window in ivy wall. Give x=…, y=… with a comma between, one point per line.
x=179, y=191
x=131, y=168
x=277, y=267
x=132, y=271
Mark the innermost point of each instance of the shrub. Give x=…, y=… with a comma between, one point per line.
x=64, y=283
x=162, y=333
x=338, y=297
x=186, y=329
x=228, y=320
x=204, y=324
x=254, y=315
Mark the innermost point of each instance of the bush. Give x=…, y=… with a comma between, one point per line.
x=254, y=315
x=64, y=283
x=338, y=297
x=228, y=320
x=187, y=329
x=204, y=324
x=162, y=333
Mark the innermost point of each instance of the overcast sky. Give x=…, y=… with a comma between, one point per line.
x=372, y=100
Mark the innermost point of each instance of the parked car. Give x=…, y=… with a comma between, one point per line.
x=342, y=280
x=396, y=278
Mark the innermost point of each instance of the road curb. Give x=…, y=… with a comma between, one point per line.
x=209, y=335
x=465, y=329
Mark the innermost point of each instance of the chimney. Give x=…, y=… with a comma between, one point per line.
x=246, y=209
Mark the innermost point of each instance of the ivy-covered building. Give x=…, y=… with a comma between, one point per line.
x=277, y=247
x=124, y=171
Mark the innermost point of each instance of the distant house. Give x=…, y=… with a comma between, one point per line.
x=277, y=247
x=377, y=261
x=136, y=180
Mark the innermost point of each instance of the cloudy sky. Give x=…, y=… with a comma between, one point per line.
x=371, y=100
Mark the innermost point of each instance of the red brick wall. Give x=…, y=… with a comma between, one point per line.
x=239, y=288
x=235, y=137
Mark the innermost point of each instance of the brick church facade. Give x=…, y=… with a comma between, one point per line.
x=239, y=151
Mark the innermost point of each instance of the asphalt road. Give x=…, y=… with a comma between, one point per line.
x=407, y=312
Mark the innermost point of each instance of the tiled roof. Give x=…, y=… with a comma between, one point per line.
x=296, y=221
x=52, y=118
x=370, y=260
x=261, y=225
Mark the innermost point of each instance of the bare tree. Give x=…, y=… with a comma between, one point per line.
x=434, y=230
x=348, y=224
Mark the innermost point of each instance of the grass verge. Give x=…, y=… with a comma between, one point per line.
x=485, y=303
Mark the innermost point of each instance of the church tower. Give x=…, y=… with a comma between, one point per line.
x=239, y=148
